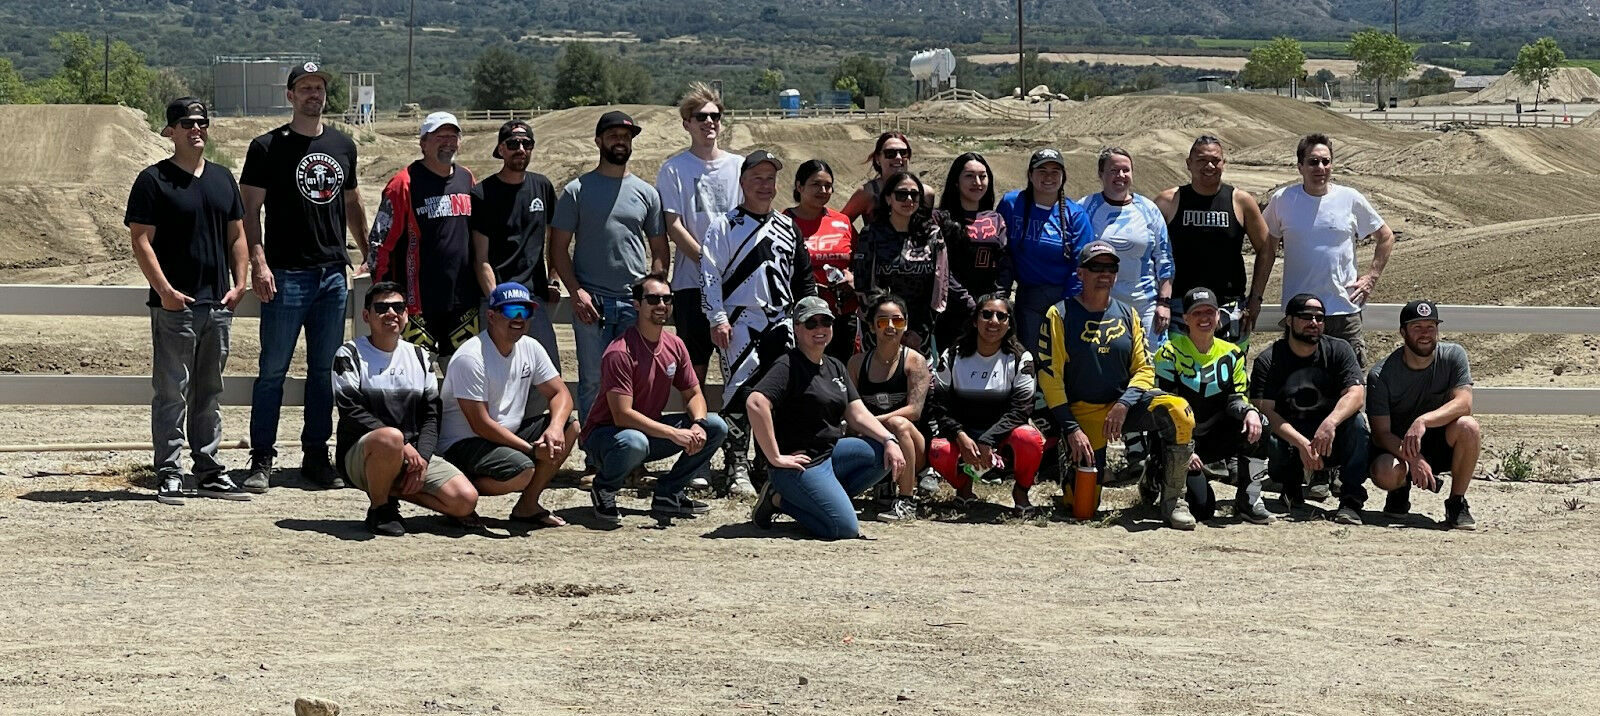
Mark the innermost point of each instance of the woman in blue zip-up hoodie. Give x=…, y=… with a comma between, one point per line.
x=1045, y=231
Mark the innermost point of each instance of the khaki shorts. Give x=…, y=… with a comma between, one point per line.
x=438, y=473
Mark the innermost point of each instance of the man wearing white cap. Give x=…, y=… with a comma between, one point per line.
x=421, y=239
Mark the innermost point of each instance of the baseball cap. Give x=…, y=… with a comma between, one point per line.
x=1046, y=156
x=1420, y=310
x=758, y=156
x=309, y=68
x=511, y=129
x=433, y=122
x=1199, y=296
x=510, y=293
x=1300, y=303
x=186, y=108
x=1097, y=248
x=616, y=119
x=810, y=306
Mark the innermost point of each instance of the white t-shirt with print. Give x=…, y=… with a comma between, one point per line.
x=697, y=191
x=478, y=372
x=1319, y=242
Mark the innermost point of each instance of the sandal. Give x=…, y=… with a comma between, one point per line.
x=538, y=520
x=471, y=522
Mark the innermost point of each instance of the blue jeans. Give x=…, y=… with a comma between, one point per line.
x=819, y=497
x=190, y=349
x=1031, y=304
x=619, y=451
x=1351, y=443
x=315, y=299
x=616, y=316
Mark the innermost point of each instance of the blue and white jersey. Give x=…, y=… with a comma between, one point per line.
x=1138, y=232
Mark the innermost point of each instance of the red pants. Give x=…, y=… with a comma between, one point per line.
x=1025, y=443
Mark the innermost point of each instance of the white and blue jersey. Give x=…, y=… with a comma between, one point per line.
x=1138, y=232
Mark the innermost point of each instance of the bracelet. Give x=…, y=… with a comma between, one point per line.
x=703, y=423
x=891, y=439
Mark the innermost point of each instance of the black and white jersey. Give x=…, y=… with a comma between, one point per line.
x=753, y=267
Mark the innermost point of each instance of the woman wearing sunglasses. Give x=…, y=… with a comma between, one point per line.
x=893, y=383
x=828, y=236
x=983, y=397
x=890, y=156
x=1044, y=231
x=904, y=253
x=975, y=236
x=815, y=469
x=1134, y=226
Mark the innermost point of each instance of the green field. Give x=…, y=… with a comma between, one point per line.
x=1320, y=47
x=1593, y=65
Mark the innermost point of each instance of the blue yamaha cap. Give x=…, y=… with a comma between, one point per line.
x=510, y=293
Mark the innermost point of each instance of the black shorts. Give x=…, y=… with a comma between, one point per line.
x=692, y=327
x=480, y=459
x=1436, y=450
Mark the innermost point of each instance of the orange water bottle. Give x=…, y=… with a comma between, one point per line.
x=1085, y=492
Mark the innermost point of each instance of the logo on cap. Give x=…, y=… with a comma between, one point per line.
x=1201, y=296
x=1424, y=310
x=310, y=67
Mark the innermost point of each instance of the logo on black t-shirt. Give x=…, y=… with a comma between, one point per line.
x=536, y=206
x=319, y=178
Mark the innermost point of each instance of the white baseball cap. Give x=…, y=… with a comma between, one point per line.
x=434, y=121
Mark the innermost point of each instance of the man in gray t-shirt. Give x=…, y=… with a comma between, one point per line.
x=1420, y=402
x=609, y=219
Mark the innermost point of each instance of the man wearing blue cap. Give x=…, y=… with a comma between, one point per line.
x=486, y=432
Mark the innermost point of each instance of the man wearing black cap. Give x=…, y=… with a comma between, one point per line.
x=510, y=220
x=185, y=217
x=1310, y=387
x=1420, y=401
x=613, y=224
x=304, y=173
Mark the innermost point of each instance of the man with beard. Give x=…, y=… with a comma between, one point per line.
x=304, y=173
x=421, y=240
x=1420, y=401
x=610, y=219
x=1207, y=222
x=1310, y=388
x=510, y=218
x=626, y=427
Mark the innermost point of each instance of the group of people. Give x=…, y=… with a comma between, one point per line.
x=913, y=337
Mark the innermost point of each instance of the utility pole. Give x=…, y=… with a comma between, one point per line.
x=1022, y=78
x=1397, y=18
x=411, y=43
x=105, y=80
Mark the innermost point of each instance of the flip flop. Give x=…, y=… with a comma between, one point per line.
x=470, y=522
x=538, y=520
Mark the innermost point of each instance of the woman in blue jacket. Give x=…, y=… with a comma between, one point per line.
x=1044, y=230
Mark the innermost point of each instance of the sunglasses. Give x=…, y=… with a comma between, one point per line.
x=993, y=315
x=704, y=116
x=517, y=145
x=516, y=311
x=1100, y=267
x=815, y=322
x=1319, y=162
x=895, y=153
x=906, y=195
x=188, y=123
x=1312, y=317
x=657, y=299
x=886, y=321
x=382, y=307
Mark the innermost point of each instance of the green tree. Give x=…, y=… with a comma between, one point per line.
x=630, y=82
x=79, y=65
x=1537, y=63
x=502, y=79
x=581, y=77
x=12, y=89
x=771, y=81
x=1325, y=76
x=88, y=75
x=867, y=73
x=1275, y=64
x=1380, y=56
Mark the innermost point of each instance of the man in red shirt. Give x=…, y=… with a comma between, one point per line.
x=638, y=372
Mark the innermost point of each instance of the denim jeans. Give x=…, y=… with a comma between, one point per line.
x=315, y=299
x=1351, y=443
x=616, y=316
x=819, y=496
x=190, y=349
x=618, y=451
x=1032, y=303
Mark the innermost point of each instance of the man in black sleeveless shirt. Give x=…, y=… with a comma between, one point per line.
x=1207, y=221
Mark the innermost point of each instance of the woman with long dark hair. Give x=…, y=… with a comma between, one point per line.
x=903, y=253
x=975, y=236
x=891, y=155
x=892, y=381
x=1044, y=231
x=829, y=237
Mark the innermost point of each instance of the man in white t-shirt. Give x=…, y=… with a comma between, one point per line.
x=1320, y=223
x=485, y=431
x=696, y=185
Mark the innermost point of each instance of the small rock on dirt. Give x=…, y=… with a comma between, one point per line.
x=804, y=681
x=313, y=706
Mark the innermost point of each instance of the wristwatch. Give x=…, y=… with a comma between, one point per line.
x=892, y=439
x=704, y=425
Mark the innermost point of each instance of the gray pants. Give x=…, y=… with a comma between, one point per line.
x=1348, y=327
x=190, y=348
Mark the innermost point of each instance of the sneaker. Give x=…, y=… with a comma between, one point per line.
x=1457, y=515
x=1254, y=513
x=1319, y=492
x=260, y=476
x=739, y=482
x=679, y=505
x=170, y=491
x=318, y=471
x=222, y=488
x=1347, y=516
x=384, y=520
x=605, y=506
x=1399, y=501
x=903, y=509
x=764, y=509
x=927, y=482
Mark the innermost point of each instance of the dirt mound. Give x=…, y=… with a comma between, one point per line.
x=1116, y=116
x=1489, y=151
x=1570, y=84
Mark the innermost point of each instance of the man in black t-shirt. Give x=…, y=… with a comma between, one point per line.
x=304, y=173
x=1311, y=389
x=184, y=214
x=510, y=220
x=421, y=239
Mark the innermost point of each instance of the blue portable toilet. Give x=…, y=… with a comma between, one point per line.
x=789, y=102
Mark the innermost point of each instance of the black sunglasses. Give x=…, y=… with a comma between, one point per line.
x=895, y=153
x=657, y=299
x=993, y=315
x=519, y=144
x=1100, y=267
x=1313, y=317
x=382, y=307
x=906, y=195
x=188, y=123
x=703, y=116
x=1319, y=162
x=815, y=322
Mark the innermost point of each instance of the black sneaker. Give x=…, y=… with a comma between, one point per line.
x=1457, y=515
x=260, y=476
x=1399, y=501
x=764, y=509
x=385, y=521
x=222, y=488
x=318, y=470
x=170, y=490
x=605, y=505
x=904, y=509
x=679, y=505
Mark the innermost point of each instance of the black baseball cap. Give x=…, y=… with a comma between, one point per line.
x=1421, y=310
x=1199, y=296
x=758, y=156
x=513, y=128
x=186, y=108
x=1095, y=249
x=616, y=119
x=305, y=69
x=1301, y=303
x=1046, y=156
